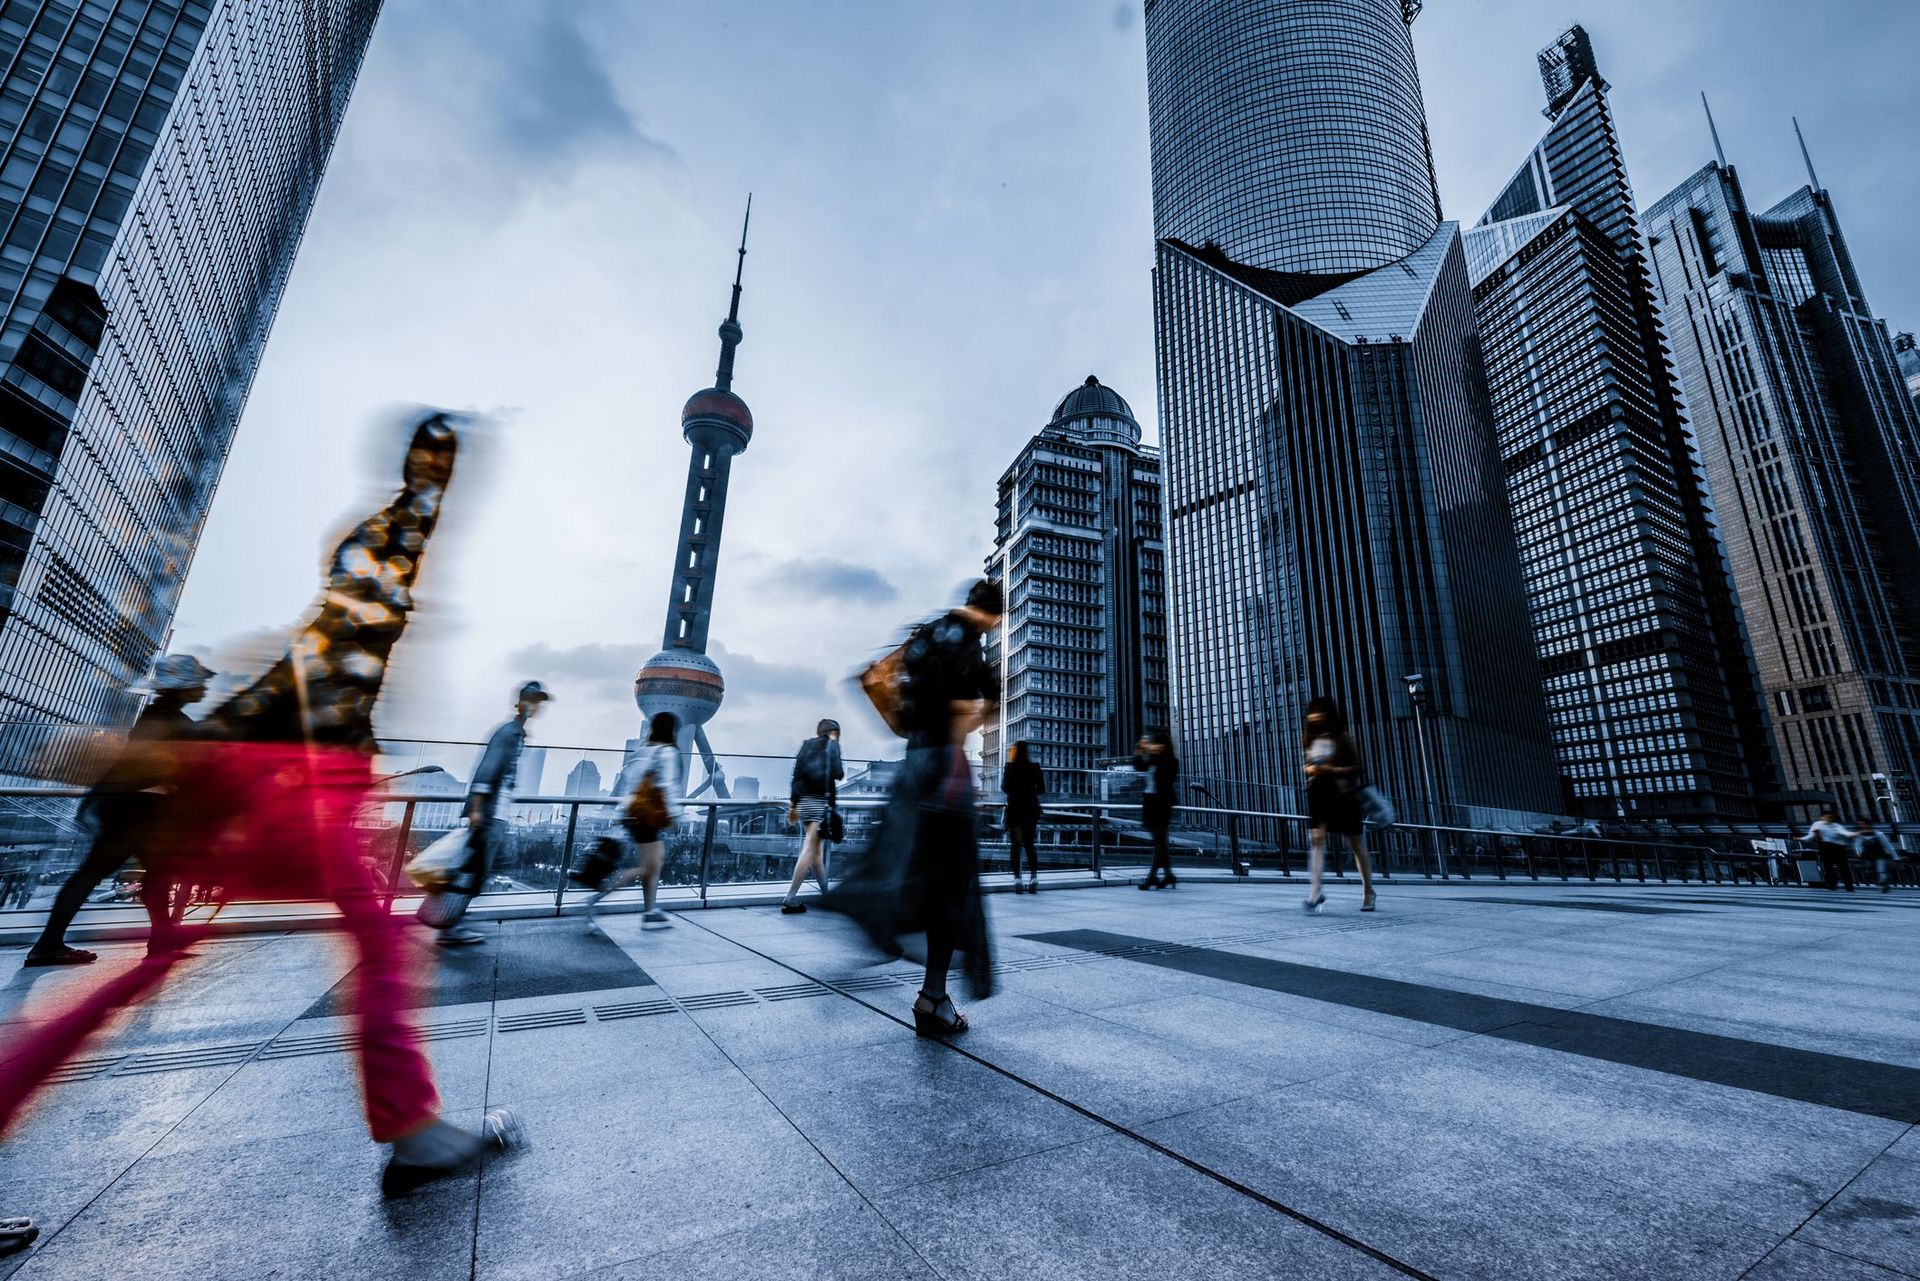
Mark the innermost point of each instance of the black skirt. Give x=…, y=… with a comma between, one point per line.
x=1331, y=806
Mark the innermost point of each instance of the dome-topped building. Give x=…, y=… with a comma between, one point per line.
x=1077, y=551
x=1097, y=411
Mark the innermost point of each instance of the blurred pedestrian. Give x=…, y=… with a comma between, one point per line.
x=651, y=808
x=817, y=770
x=1335, y=777
x=1871, y=843
x=1022, y=782
x=122, y=808
x=1160, y=772
x=487, y=827
x=264, y=805
x=1833, y=846
x=921, y=871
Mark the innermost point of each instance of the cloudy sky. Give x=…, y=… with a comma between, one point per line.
x=532, y=210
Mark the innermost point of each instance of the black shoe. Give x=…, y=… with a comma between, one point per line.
x=65, y=956
x=792, y=909
x=16, y=1234
x=499, y=1129
x=1149, y=884
x=929, y=1022
x=1170, y=882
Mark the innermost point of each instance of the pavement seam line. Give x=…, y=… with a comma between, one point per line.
x=1227, y=1181
x=794, y=1126
x=1821, y=1208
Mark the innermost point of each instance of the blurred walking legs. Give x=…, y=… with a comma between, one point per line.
x=813, y=858
x=1317, y=862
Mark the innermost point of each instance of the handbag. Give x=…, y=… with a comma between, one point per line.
x=648, y=805
x=833, y=829
x=435, y=867
x=1376, y=809
x=598, y=865
x=443, y=908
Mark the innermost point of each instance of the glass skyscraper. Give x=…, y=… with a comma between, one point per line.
x=1336, y=521
x=1812, y=450
x=1650, y=688
x=1907, y=351
x=1082, y=653
x=158, y=159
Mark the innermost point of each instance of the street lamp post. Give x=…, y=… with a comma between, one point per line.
x=1417, y=695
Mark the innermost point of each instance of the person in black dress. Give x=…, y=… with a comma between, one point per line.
x=1155, y=760
x=921, y=872
x=1021, y=783
x=1335, y=775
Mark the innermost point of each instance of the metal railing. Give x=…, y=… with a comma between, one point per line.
x=740, y=848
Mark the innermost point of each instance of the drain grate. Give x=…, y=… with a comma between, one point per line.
x=872, y=983
x=197, y=1056
x=296, y=1047
x=545, y=1018
x=716, y=1000
x=86, y=1069
x=634, y=1009
x=791, y=992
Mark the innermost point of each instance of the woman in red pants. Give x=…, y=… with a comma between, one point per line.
x=262, y=803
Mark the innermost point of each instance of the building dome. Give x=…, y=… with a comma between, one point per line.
x=716, y=418
x=683, y=682
x=1096, y=410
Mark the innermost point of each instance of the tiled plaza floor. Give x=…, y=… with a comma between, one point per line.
x=1478, y=1081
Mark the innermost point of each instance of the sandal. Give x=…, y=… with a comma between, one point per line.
x=929, y=1022
x=16, y=1234
x=65, y=956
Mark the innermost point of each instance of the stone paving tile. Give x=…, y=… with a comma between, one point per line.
x=848, y=1243
x=910, y=1110
x=272, y=1208
x=1109, y=1210
x=1795, y=1260
x=761, y=1033
x=1877, y=1217
x=1768, y=1161
x=646, y=1166
x=1450, y=1199
x=565, y=1066
x=1124, y=1074
x=1284, y=1050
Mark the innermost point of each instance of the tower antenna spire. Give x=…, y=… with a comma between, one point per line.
x=730, y=331
x=1718, y=151
x=1806, y=155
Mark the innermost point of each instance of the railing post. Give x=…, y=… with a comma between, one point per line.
x=1095, y=859
x=706, y=850
x=1286, y=848
x=399, y=856
x=566, y=857
x=1233, y=846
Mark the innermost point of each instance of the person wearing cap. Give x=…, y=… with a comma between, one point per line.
x=816, y=769
x=492, y=787
x=122, y=806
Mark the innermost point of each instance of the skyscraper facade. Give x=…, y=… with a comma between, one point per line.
x=1336, y=522
x=158, y=159
x=1907, y=352
x=1082, y=652
x=1812, y=452
x=1650, y=689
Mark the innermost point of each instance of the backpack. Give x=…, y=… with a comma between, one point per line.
x=811, y=768
x=888, y=681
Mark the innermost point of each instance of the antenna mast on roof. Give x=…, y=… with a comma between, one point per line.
x=1719, y=152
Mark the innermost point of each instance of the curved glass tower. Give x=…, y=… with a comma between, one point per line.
x=1289, y=132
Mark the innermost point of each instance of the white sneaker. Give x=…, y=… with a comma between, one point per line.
x=460, y=936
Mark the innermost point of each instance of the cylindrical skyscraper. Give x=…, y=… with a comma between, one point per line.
x=1289, y=132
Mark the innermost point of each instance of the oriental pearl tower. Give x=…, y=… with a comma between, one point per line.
x=681, y=678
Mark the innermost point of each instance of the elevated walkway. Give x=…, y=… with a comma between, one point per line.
x=1478, y=1080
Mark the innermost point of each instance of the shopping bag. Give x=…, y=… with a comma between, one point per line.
x=598, y=865
x=442, y=909
x=1377, y=809
x=435, y=866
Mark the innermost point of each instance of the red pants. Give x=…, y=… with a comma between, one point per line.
x=274, y=822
